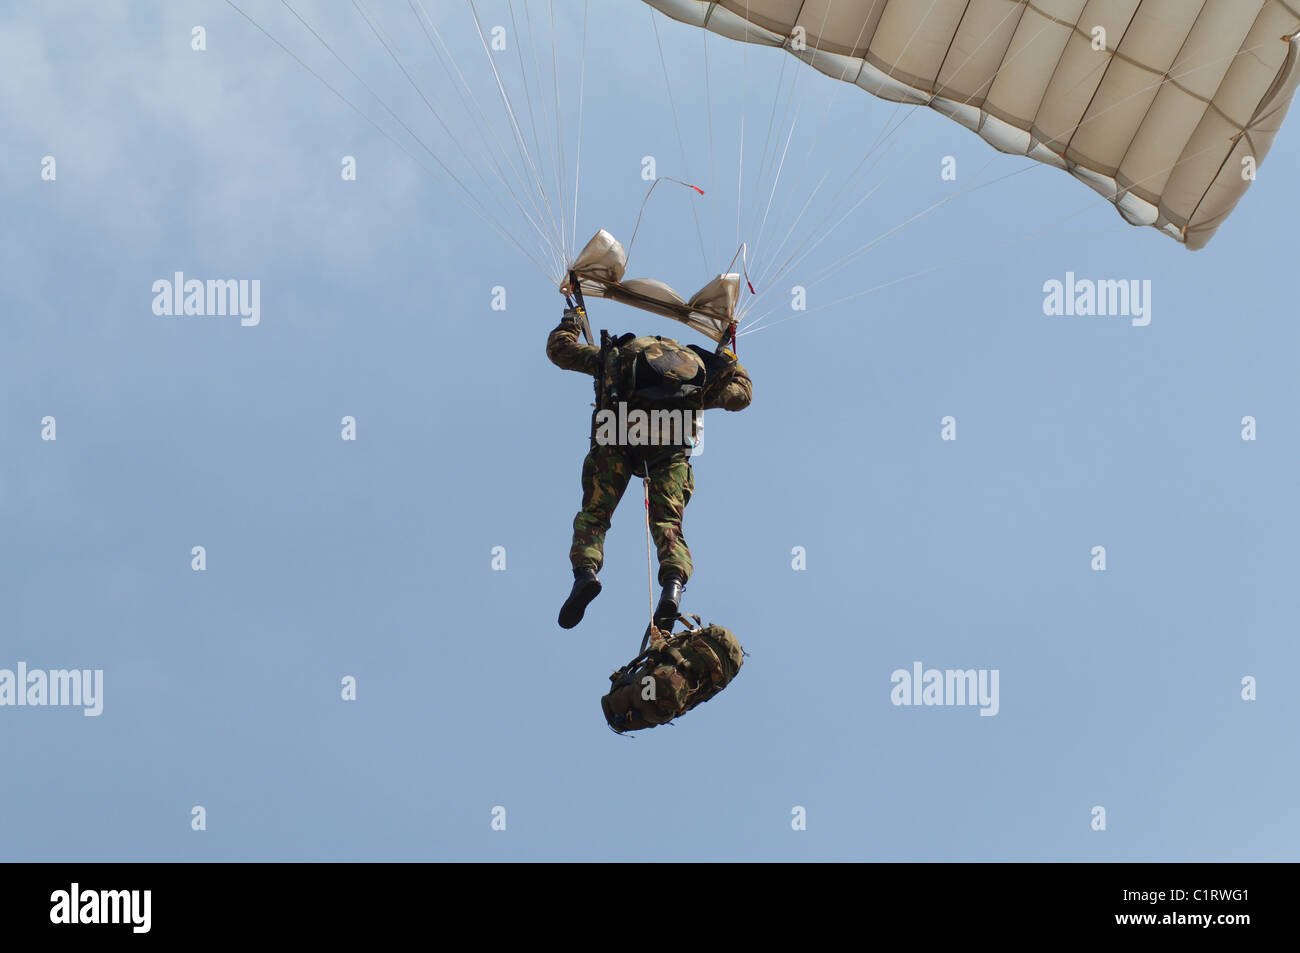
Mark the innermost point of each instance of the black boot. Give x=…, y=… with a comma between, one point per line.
x=585, y=588
x=666, y=611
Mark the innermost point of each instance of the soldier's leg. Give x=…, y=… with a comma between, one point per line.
x=671, y=484
x=605, y=475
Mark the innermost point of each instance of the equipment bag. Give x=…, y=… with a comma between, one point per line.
x=655, y=372
x=663, y=372
x=676, y=673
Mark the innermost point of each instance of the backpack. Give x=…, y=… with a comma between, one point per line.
x=676, y=673
x=651, y=372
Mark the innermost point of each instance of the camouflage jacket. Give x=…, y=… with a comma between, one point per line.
x=727, y=386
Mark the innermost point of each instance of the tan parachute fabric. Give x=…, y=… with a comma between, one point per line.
x=600, y=267
x=1159, y=123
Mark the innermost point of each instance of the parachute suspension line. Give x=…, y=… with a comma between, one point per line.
x=744, y=82
x=649, y=192
x=681, y=142
x=475, y=110
x=550, y=155
x=730, y=334
x=559, y=138
x=775, y=182
x=713, y=156
x=848, y=185
x=844, y=260
x=1036, y=234
x=763, y=167
x=797, y=256
x=510, y=112
x=836, y=266
x=548, y=159
x=577, y=159
x=550, y=113
x=466, y=195
x=759, y=326
x=888, y=284
x=389, y=48
x=871, y=159
x=740, y=174
x=769, y=277
x=742, y=254
x=649, y=547
x=812, y=147
x=484, y=156
x=523, y=73
x=758, y=239
x=807, y=155
x=539, y=152
x=327, y=85
x=851, y=182
x=923, y=272
x=528, y=83
x=886, y=134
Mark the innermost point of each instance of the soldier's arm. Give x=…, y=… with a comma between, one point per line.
x=733, y=390
x=564, y=349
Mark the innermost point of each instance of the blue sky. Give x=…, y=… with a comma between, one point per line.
x=372, y=558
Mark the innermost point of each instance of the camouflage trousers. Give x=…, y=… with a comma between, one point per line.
x=605, y=475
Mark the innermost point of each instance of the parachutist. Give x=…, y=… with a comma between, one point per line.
x=655, y=375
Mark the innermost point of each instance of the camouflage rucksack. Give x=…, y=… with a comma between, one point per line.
x=650, y=372
x=672, y=676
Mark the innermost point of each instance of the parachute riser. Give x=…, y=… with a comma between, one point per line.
x=574, y=300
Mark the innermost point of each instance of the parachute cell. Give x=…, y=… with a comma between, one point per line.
x=1158, y=105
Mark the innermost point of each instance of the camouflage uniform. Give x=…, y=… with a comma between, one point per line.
x=609, y=468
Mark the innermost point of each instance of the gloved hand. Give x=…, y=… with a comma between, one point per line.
x=723, y=365
x=725, y=346
x=573, y=318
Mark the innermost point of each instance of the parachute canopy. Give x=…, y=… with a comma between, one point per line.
x=600, y=267
x=1165, y=107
